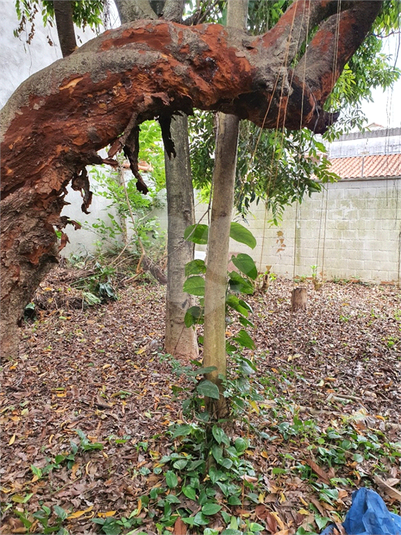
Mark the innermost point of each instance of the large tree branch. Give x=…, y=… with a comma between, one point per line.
x=84, y=102
x=58, y=119
x=334, y=43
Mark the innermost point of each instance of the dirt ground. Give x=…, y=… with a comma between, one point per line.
x=102, y=370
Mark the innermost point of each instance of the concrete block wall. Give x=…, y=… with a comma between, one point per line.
x=351, y=230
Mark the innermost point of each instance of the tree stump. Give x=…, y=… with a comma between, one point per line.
x=298, y=299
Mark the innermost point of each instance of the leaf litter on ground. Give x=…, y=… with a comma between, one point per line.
x=86, y=406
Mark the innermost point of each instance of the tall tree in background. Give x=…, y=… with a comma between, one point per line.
x=54, y=124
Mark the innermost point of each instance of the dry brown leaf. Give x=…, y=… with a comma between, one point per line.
x=180, y=528
x=324, y=476
x=393, y=493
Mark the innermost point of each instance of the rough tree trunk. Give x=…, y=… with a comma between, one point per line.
x=180, y=341
x=57, y=120
x=225, y=164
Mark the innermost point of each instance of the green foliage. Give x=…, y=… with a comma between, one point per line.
x=98, y=286
x=50, y=520
x=205, y=465
x=84, y=13
x=237, y=283
x=278, y=168
x=143, y=229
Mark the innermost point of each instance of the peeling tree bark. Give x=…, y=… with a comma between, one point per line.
x=57, y=120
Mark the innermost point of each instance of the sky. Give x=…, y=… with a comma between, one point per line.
x=386, y=106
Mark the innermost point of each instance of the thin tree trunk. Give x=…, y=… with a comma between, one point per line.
x=130, y=10
x=180, y=341
x=65, y=26
x=219, y=238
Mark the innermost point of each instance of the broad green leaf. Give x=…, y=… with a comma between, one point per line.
x=172, y=498
x=195, y=465
x=235, y=303
x=240, y=285
x=217, y=452
x=201, y=520
x=207, y=369
x=202, y=371
x=110, y=527
x=60, y=512
x=241, y=234
x=246, y=305
x=219, y=435
x=230, y=531
x=215, y=474
x=227, y=463
x=189, y=492
x=245, y=264
x=234, y=500
x=247, y=367
x=36, y=471
x=189, y=520
x=245, y=323
x=171, y=479
x=195, y=285
x=226, y=517
x=180, y=464
x=195, y=267
x=255, y=527
x=192, y=316
x=211, y=508
x=179, y=431
x=208, y=389
x=197, y=234
x=244, y=339
x=241, y=444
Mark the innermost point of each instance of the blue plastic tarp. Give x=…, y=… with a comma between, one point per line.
x=368, y=515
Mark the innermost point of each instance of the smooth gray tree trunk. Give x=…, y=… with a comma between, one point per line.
x=225, y=164
x=180, y=341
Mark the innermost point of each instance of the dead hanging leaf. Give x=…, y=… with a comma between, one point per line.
x=393, y=493
x=180, y=527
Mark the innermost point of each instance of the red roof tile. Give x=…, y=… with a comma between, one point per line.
x=377, y=166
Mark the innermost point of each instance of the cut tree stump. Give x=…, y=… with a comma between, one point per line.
x=298, y=299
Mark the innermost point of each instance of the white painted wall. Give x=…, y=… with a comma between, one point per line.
x=352, y=230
